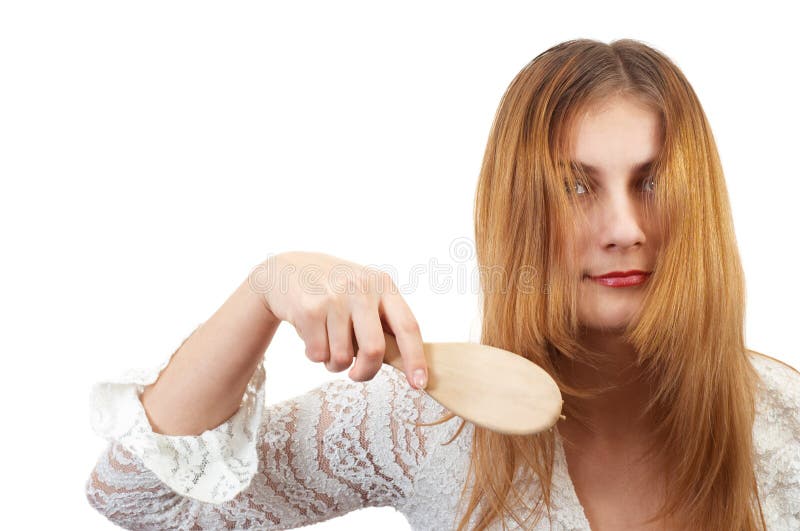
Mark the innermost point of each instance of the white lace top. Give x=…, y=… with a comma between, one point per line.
x=347, y=445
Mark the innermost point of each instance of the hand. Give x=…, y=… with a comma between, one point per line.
x=327, y=299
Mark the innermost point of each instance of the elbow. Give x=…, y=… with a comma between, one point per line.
x=130, y=496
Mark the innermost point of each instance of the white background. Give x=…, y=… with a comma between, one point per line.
x=151, y=153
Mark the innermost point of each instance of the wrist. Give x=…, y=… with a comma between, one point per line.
x=257, y=287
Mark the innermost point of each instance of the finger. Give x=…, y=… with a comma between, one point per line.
x=371, y=343
x=341, y=346
x=409, y=338
x=315, y=336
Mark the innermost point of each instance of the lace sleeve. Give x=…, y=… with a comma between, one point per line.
x=339, y=447
x=776, y=435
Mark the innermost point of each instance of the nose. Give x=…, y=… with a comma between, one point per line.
x=621, y=224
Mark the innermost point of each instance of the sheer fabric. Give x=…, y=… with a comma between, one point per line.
x=347, y=445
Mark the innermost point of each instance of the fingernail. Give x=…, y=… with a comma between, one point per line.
x=420, y=378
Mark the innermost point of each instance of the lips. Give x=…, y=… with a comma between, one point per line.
x=621, y=279
x=614, y=274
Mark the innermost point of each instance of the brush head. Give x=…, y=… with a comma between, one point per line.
x=493, y=388
x=488, y=386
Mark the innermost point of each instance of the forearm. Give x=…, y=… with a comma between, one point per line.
x=203, y=384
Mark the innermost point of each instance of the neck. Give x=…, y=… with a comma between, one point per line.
x=613, y=415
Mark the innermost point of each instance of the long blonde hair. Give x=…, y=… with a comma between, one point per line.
x=689, y=332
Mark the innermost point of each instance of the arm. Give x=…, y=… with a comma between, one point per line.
x=192, y=445
x=339, y=447
x=206, y=378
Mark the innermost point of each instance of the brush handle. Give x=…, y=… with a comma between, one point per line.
x=391, y=355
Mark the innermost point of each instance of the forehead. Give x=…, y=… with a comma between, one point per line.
x=618, y=134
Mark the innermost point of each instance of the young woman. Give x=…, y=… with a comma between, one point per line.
x=602, y=176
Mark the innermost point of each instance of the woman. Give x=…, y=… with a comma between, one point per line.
x=601, y=175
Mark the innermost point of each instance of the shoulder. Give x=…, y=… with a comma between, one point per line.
x=382, y=413
x=779, y=382
x=776, y=438
x=388, y=393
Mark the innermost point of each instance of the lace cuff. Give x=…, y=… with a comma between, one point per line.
x=211, y=467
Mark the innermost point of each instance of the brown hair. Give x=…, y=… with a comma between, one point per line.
x=689, y=336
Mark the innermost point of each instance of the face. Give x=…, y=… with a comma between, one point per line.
x=612, y=142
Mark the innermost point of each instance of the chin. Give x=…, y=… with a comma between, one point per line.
x=604, y=327
x=607, y=315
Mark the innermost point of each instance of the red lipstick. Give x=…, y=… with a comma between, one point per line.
x=621, y=279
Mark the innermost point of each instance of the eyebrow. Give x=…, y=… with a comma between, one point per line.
x=642, y=166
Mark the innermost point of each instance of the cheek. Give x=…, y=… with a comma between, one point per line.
x=581, y=255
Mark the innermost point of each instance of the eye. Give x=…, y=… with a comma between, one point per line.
x=649, y=183
x=580, y=188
